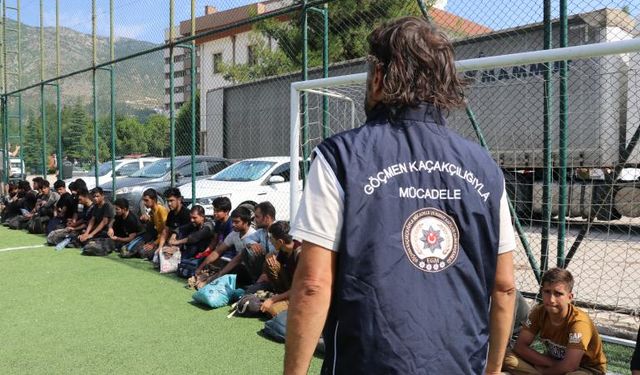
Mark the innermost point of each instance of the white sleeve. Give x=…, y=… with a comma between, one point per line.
x=507, y=236
x=319, y=218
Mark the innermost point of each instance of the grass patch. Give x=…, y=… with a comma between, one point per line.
x=65, y=313
x=17, y=238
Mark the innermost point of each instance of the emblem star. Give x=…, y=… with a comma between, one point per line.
x=432, y=239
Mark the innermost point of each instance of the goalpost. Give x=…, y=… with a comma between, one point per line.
x=330, y=86
x=598, y=72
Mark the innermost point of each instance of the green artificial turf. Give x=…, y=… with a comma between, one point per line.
x=16, y=238
x=62, y=313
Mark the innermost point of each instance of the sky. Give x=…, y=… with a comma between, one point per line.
x=147, y=19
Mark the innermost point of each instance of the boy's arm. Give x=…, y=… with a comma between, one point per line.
x=503, y=299
x=90, y=225
x=570, y=363
x=231, y=265
x=222, y=247
x=100, y=226
x=524, y=350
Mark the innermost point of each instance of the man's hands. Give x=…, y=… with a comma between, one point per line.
x=272, y=261
x=256, y=248
x=266, y=305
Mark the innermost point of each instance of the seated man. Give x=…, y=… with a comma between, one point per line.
x=572, y=342
x=241, y=222
x=280, y=267
x=77, y=224
x=65, y=208
x=44, y=209
x=155, y=222
x=125, y=226
x=10, y=195
x=101, y=216
x=223, y=227
x=177, y=217
x=191, y=238
x=258, y=244
x=24, y=207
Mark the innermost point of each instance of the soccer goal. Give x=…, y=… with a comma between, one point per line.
x=506, y=95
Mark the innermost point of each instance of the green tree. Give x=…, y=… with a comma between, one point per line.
x=350, y=23
x=183, y=127
x=33, y=144
x=131, y=137
x=74, y=142
x=157, y=134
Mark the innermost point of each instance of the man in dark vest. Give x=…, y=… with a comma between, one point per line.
x=407, y=254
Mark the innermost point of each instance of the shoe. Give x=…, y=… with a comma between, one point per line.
x=63, y=244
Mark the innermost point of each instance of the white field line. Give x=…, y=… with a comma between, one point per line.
x=20, y=248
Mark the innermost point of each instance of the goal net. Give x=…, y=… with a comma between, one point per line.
x=506, y=95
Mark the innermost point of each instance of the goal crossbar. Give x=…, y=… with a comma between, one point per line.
x=531, y=57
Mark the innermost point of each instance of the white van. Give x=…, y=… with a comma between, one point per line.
x=16, y=168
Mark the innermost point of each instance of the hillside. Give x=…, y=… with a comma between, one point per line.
x=139, y=82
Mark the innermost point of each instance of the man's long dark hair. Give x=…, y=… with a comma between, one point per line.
x=417, y=61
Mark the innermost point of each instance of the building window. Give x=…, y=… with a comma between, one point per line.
x=217, y=63
x=251, y=55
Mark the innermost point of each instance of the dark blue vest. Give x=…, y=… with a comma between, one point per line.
x=418, y=247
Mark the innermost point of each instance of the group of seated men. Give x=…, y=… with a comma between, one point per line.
x=246, y=241
x=260, y=251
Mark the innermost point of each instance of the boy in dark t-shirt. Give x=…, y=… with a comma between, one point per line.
x=102, y=215
x=177, y=217
x=195, y=236
x=125, y=226
x=65, y=208
x=223, y=226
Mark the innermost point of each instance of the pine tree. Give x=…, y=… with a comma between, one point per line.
x=73, y=142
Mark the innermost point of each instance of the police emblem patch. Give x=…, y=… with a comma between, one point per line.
x=430, y=239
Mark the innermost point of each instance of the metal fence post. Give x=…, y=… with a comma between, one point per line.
x=563, y=137
x=172, y=117
x=112, y=79
x=548, y=177
x=95, y=99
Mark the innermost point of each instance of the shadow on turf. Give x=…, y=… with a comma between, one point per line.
x=318, y=353
x=143, y=265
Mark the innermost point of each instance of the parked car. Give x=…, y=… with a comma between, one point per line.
x=158, y=176
x=124, y=167
x=248, y=181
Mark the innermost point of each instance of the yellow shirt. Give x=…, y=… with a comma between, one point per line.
x=159, y=218
x=578, y=332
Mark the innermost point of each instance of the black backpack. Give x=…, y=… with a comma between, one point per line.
x=187, y=267
x=98, y=247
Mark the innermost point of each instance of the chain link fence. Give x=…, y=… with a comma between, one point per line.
x=247, y=54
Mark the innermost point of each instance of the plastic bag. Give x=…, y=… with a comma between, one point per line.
x=218, y=293
x=169, y=262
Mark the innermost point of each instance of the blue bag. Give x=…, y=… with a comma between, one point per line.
x=217, y=293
